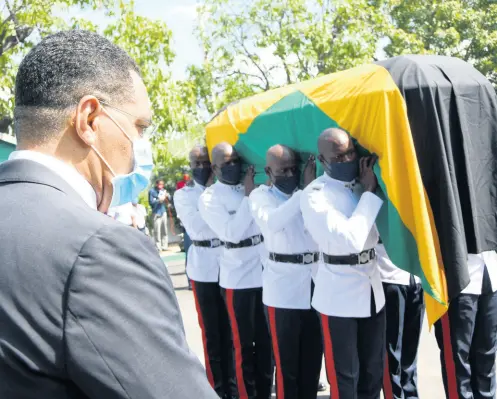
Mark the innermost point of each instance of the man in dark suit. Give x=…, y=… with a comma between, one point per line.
x=87, y=309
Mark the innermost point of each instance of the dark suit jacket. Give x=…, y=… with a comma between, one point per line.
x=87, y=308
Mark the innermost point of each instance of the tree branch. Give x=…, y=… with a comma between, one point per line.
x=251, y=57
x=21, y=32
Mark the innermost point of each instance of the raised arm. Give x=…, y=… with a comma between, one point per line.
x=230, y=228
x=273, y=218
x=323, y=220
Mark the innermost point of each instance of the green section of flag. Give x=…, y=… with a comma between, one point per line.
x=279, y=125
x=300, y=130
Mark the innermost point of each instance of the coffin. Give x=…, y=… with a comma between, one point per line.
x=431, y=120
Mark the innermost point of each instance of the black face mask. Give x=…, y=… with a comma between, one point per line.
x=286, y=184
x=343, y=171
x=231, y=174
x=201, y=175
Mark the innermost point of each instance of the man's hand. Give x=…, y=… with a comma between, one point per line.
x=366, y=175
x=310, y=171
x=248, y=182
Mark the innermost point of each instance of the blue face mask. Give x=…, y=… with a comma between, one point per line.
x=127, y=187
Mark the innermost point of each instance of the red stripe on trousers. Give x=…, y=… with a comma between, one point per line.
x=328, y=358
x=276, y=351
x=387, y=383
x=450, y=366
x=242, y=391
x=208, y=369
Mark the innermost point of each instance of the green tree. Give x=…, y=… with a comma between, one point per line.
x=21, y=23
x=461, y=28
x=147, y=41
x=257, y=45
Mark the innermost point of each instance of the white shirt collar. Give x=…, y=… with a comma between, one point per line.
x=64, y=170
x=279, y=193
x=237, y=187
x=350, y=184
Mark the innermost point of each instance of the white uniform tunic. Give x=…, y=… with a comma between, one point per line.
x=203, y=263
x=285, y=285
x=476, y=266
x=227, y=212
x=342, y=222
x=390, y=273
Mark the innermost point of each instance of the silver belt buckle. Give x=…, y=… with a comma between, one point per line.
x=256, y=240
x=308, y=259
x=366, y=256
x=216, y=242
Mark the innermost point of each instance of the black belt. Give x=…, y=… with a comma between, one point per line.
x=302, y=259
x=248, y=242
x=355, y=259
x=214, y=243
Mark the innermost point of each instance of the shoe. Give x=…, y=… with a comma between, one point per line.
x=321, y=387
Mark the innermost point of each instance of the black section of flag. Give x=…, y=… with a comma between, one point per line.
x=452, y=111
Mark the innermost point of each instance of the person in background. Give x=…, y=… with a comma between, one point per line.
x=122, y=214
x=87, y=308
x=404, y=312
x=225, y=208
x=186, y=238
x=287, y=277
x=138, y=216
x=202, y=269
x=183, y=182
x=158, y=198
x=466, y=334
x=340, y=216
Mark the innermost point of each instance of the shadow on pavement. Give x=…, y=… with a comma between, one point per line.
x=177, y=273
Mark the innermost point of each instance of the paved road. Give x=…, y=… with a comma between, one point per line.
x=429, y=376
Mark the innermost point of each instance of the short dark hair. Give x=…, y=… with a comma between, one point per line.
x=59, y=71
x=158, y=181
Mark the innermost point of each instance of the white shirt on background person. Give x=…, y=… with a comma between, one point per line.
x=203, y=263
x=285, y=285
x=341, y=219
x=226, y=211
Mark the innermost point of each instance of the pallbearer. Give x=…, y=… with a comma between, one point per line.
x=287, y=276
x=467, y=333
x=203, y=271
x=225, y=208
x=339, y=210
x=404, y=312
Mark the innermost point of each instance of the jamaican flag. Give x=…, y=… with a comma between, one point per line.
x=432, y=121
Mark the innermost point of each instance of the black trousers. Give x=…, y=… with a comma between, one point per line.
x=467, y=339
x=354, y=352
x=404, y=313
x=216, y=337
x=298, y=351
x=253, y=353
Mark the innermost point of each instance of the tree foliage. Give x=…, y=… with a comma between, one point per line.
x=258, y=45
x=148, y=41
x=465, y=29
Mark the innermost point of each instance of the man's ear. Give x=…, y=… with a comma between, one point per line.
x=86, y=119
x=267, y=170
